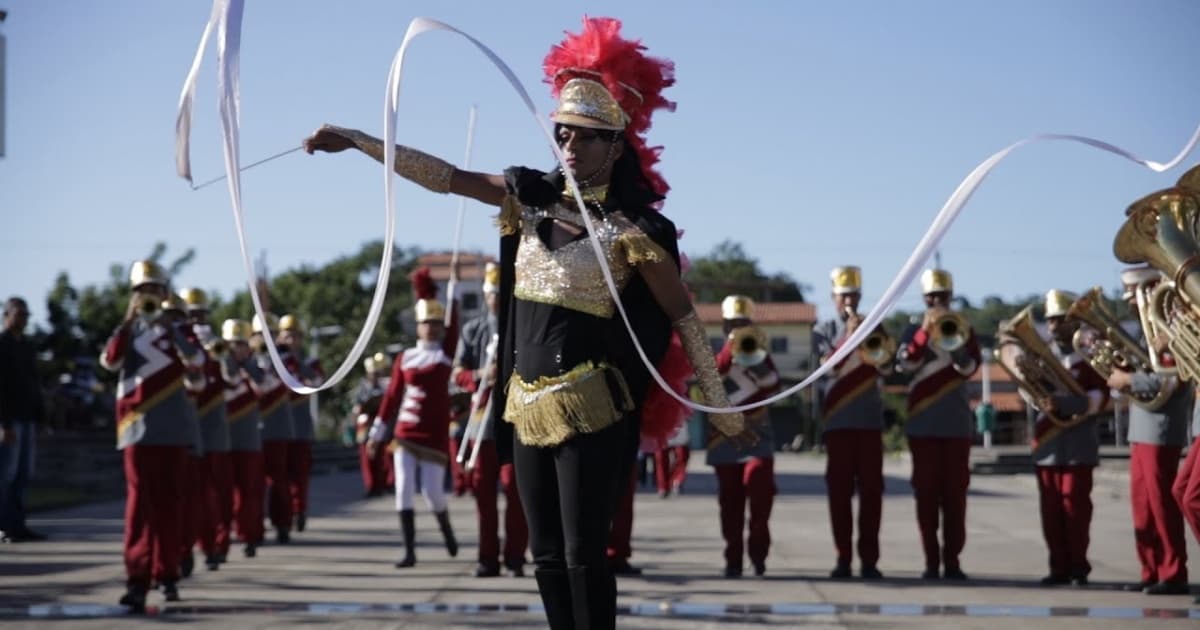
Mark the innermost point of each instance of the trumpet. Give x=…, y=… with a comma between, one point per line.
x=148, y=305
x=749, y=345
x=879, y=348
x=950, y=331
x=1110, y=347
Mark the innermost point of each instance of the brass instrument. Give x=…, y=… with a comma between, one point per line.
x=216, y=347
x=1175, y=315
x=1153, y=327
x=1032, y=364
x=950, y=331
x=148, y=305
x=1111, y=348
x=879, y=348
x=749, y=345
x=1163, y=229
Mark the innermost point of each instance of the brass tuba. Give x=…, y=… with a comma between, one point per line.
x=1032, y=364
x=1173, y=314
x=950, y=331
x=1163, y=229
x=1107, y=347
x=749, y=345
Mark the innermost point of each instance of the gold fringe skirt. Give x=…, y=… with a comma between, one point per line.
x=552, y=409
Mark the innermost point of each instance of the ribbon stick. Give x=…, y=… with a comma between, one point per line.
x=452, y=285
x=229, y=34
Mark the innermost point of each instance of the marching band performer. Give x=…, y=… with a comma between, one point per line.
x=573, y=380
x=1066, y=449
x=941, y=355
x=852, y=417
x=155, y=429
x=473, y=373
x=1186, y=489
x=367, y=397
x=745, y=477
x=276, y=426
x=245, y=441
x=1156, y=440
x=217, y=473
x=670, y=462
x=307, y=370
x=415, y=414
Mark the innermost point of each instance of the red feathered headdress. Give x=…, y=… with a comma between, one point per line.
x=425, y=291
x=599, y=55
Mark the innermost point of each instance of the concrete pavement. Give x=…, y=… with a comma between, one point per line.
x=340, y=572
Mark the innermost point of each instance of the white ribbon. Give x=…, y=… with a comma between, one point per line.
x=908, y=272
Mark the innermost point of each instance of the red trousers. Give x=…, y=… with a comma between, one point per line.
x=1065, y=497
x=620, y=545
x=1187, y=488
x=153, y=513
x=299, y=462
x=374, y=471
x=751, y=482
x=248, y=484
x=218, y=498
x=854, y=458
x=1157, y=521
x=196, y=514
x=941, y=472
x=670, y=467
x=275, y=467
x=485, y=478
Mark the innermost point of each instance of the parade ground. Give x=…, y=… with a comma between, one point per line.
x=339, y=571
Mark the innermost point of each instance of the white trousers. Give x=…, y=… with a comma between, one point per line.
x=432, y=481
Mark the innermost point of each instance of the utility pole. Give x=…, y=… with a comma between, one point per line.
x=316, y=334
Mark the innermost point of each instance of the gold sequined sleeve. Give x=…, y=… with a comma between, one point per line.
x=640, y=249
x=427, y=171
x=699, y=353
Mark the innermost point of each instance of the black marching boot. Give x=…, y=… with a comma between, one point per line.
x=408, y=528
x=556, y=598
x=593, y=597
x=443, y=521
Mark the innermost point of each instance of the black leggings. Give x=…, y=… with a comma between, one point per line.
x=569, y=493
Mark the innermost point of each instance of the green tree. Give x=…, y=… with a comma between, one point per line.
x=728, y=269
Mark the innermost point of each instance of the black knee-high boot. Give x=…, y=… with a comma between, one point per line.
x=555, y=590
x=593, y=597
x=408, y=529
x=443, y=521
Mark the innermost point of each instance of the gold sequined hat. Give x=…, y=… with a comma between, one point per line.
x=936, y=281
x=587, y=103
x=846, y=279
x=147, y=272
x=1058, y=303
x=491, y=278
x=737, y=307
x=235, y=330
x=194, y=299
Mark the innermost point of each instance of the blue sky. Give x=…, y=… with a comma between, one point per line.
x=814, y=133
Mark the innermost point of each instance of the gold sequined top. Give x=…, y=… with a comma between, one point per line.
x=570, y=276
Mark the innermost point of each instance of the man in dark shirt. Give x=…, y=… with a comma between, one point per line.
x=20, y=412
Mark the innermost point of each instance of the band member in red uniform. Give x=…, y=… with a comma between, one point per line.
x=745, y=476
x=852, y=425
x=276, y=427
x=415, y=413
x=1066, y=449
x=307, y=370
x=155, y=429
x=1187, y=483
x=1157, y=435
x=245, y=441
x=475, y=372
x=217, y=473
x=941, y=355
x=367, y=397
